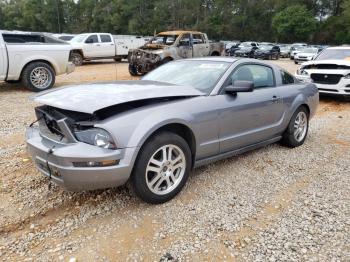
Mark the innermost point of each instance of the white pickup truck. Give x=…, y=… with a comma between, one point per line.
x=33, y=58
x=94, y=46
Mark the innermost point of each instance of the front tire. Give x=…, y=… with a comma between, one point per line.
x=38, y=76
x=77, y=59
x=162, y=168
x=298, y=128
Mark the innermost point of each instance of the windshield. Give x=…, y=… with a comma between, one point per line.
x=164, y=39
x=78, y=38
x=265, y=47
x=284, y=48
x=342, y=54
x=246, y=44
x=202, y=75
x=309, y=50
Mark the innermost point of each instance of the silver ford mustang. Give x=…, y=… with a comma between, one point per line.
x=153, y=132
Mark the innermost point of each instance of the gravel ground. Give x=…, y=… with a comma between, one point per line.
x=271, y=204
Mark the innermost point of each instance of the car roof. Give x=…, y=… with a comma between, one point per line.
x=339, y=47
x=178, y=32
x=227, y=59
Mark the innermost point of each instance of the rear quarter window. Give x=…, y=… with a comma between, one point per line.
x=287, y=79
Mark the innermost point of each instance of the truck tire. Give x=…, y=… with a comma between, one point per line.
x=215, y=53
x=134, y=71
x=118, y=59
x=77, y=59
x=38, y=76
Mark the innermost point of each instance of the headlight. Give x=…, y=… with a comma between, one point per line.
x=302, y=72
x=96, y=136
x=347, y=76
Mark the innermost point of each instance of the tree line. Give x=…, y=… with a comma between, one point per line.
x=314, y=21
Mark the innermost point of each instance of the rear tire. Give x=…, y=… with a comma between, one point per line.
x=38, y=76
x=119, y=59
x=297, y=129
x=162, y=168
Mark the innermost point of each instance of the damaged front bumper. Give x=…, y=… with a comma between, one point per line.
x=143, y=60
x=69, y=164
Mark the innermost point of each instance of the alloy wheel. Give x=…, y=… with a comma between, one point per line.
x=165, y=170
x=41, y=77
x=300, y=126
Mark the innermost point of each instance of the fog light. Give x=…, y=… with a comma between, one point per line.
x=96, y=164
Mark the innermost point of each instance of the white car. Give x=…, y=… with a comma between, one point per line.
x=33, y=58
x=305, y=55
x=94, y=46
x=330, y=71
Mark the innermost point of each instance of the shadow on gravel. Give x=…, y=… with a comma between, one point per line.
x=7, y=87
x=329, y=98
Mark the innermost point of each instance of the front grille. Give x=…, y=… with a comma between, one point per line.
x=327, y=79
x=328, y=90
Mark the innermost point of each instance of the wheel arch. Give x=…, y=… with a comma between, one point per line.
x=79, y=51
x=38, y=61
x=306, y=107
x=180, y=129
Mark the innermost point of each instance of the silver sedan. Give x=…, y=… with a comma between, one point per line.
x=153, y=132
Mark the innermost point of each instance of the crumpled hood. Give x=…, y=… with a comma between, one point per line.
x=89, y=98
x=306, y=54
x=340, y=62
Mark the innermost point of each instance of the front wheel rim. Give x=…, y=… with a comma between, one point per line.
x=41, y=77
x=300, y=126
x=165, y=169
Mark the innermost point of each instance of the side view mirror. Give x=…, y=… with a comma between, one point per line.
x=240, y=86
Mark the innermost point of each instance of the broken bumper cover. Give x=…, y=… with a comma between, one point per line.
x=342, y=88
x=143, y=60
x=58, y=161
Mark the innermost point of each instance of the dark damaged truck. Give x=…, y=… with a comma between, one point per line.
x=171, y=45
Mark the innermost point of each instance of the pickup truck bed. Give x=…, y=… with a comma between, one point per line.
x=33, y=58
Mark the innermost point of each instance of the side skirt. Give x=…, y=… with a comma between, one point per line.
x=236, y=152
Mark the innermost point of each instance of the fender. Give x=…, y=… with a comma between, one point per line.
x=140, y=126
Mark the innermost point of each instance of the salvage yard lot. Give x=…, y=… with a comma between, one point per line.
x=270, y=204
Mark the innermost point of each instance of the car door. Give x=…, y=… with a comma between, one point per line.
x=92, y=46
x=3, y=59
x=184, y=48
x=200, y=46
x=253, y=117
x=107, y=46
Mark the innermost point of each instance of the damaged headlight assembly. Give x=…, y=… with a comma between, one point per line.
x=97, y=137
x=302, y=72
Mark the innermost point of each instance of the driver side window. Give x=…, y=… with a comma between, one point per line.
x=185, y=40
x=92, y=39
x=261, y=76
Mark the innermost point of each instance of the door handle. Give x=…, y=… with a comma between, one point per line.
x=97, y=45
x=276, y=99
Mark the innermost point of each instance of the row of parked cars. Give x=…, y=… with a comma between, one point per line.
x=298, y=52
